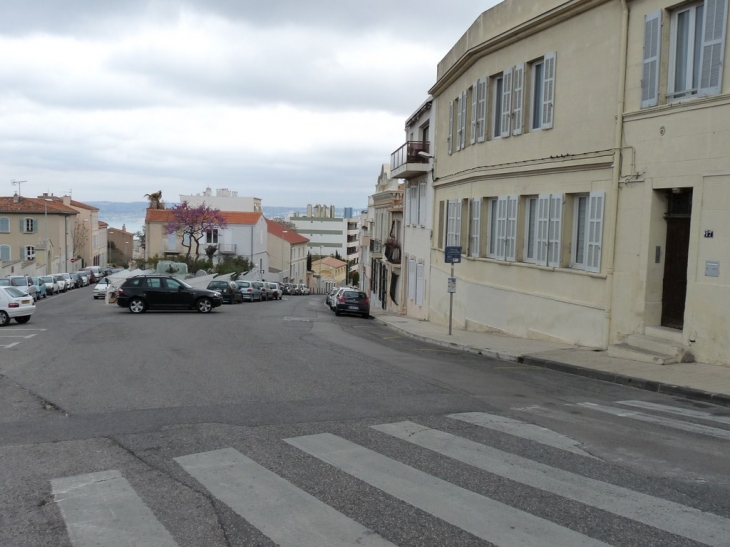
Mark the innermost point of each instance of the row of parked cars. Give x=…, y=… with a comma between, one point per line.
x=348, y=300
x=19, y=293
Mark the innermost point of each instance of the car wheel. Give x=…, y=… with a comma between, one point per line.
x=4, y=319
x=23, y=319
x=366, y=316
x=204, y=305
x=137, y=305
x=337, y=312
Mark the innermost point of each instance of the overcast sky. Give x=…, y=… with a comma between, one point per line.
x=292, y=101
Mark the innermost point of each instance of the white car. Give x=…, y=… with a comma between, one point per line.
x=62, y=287
x=100, y=288
x=51, y=284
x=15, y=304
x=303, y=289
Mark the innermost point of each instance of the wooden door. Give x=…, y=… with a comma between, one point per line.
x=674, y=293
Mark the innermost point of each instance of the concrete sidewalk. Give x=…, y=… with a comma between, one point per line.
x=697, y=381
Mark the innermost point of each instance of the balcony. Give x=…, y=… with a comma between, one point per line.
x=227, y=248
x=376, y=248
x=392, y=251
x=406, y=162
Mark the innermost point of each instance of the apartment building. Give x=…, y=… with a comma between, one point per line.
x=581, y=163
x=287, y=254
x=412, y=162
x=329, y=234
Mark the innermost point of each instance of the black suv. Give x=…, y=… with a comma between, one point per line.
x=164, y=292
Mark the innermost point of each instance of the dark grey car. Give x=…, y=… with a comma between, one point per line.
x=356, y=302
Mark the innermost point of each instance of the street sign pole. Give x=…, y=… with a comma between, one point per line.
x=451, y=301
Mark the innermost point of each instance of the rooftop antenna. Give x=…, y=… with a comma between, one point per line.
x=18, y=182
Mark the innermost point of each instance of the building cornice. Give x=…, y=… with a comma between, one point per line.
x=695, y=103
x=524, y=30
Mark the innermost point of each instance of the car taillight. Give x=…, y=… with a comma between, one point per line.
x=366, y=301
x=341, y=298
x=249, y=290
x=120, y=292
x=13, y=305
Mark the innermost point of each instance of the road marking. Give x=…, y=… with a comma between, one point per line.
x=280, y=510
x=667, y=422
x=19, y=328
x=674, y=410
x=11, y=345
x=523, y=430
x=478, y=515
x=391, y=337
x=438, y=350
x=666, y=515
x=103, y=509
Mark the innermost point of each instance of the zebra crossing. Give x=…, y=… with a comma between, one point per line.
x=103, y=509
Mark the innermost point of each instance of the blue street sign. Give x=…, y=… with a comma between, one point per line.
x=452, y=255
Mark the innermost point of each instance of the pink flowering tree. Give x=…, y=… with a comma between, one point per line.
x=194, y=222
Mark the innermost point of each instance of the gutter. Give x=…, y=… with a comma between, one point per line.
x=618, y=139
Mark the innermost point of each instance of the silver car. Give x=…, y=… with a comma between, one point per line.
x=249, y=291
x=51, y=284
x=62, y=286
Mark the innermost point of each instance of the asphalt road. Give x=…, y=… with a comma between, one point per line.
x=277, y=423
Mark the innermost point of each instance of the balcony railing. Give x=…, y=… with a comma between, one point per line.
x=392, y=251
x=409, y=153
x=227, y=248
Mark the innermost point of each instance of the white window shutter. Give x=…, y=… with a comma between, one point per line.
x=411, y=279
x=462, y=135
x=420, y=284
x=501, y=227
x=450, y=136
x=595, y=231
x=476, y=210
x=505, y=126
x=22, y=227
x=518, y=98
x=652, y=45
x=511, y=228
x=482, y=110
x=474, y=106
x=457, y=220
x=543, y=221
x=548, y=90
x=554, y=229
x=713, y=47
x=422, y=204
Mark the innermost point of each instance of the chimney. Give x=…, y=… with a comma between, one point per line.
x=124, y=227
x=16, y=198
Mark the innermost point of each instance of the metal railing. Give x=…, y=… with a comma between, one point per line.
x=409, y=153
x=227, y=248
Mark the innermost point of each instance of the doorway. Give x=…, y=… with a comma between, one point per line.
x=674, y=286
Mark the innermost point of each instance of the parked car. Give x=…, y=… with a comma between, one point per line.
x=228, y=289
x=303, y=289
x=163, y=292
x=51, y=284
x=62, y=286
x=15, y=304
x=286, y=288
x=25, y=283
x=95, y=272
x=352, y=301
x=100, y=288
x=330, y=295
x=275, y=290
x=249, y=291
x=85, y=278
x=295, y=290
x=263, y=287
x=338, y=292
x=76, y=280
x=69, y=282
x=40, y=287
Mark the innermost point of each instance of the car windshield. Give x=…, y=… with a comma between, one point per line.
x=103, y=281
x=19, y=282
x=12, y=291
x=58, y=277
x=47, y=279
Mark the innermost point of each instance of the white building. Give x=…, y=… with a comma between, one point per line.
x=328, y=234
x=224, y=200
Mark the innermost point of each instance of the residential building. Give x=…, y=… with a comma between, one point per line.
x=328, y=272
x=329, y=234
x=412, y=162
x=386, y=242
x=589, y=197
x=88, y=246
x=364, y=266
x=224, y=200
x=287, y=254
x=523, y=170
x=120, y=244
x=245, y=235
x=35, y=230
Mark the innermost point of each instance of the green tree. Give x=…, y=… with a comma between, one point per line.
x=309, y=261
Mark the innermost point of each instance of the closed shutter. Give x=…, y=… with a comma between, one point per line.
x=548, y=90
x=501, y=227
x=450, y=134
x=554, y=229
x=505, y=125
x=482, y=110
x=457, y=105
x=22, y=227
x=422, y=204
x=412, y=212
x=595, y=231
x=543, y=221
x=420, y=284
x=518, y=86
x=476, y=209
x=511, y=228
x=462, y=135
x=474, y=107
x=457, y=221
x=411, y=278
x=713, y=47
x=5, y=252
x=650, y=74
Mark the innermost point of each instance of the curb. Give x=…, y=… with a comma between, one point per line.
x=621, y=379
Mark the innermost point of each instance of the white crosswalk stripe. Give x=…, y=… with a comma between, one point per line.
x=665, y=515
x=480, y=516
x=660, y=420
x=520, y=429
x=689, y=413
x=103, y=509
x=280, y=510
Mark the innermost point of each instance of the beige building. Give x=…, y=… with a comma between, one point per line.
x=327, y=273
x=35, y=231
x=287, y=254
x=581, y=163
